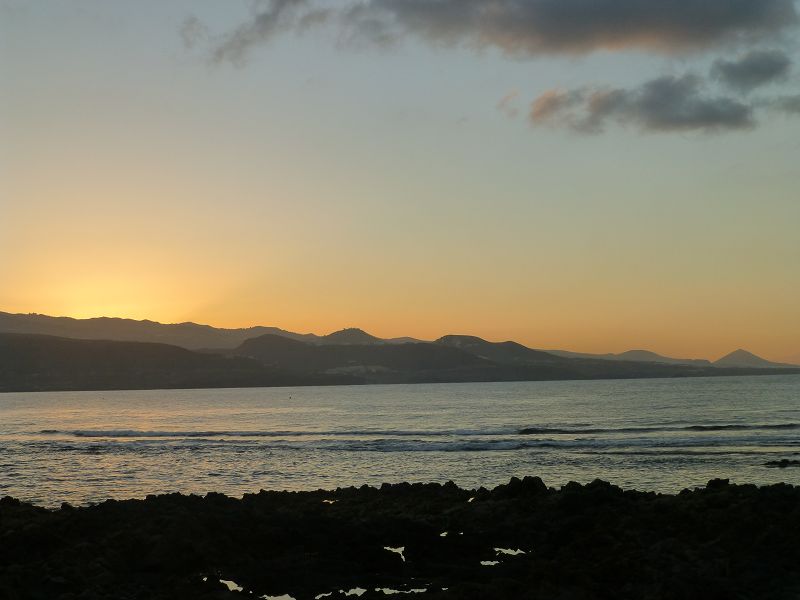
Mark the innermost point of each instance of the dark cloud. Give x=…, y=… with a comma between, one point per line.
x=276, y=17
x=661, y=105
x=531, y=27
x=754, y=69
x=527, y=27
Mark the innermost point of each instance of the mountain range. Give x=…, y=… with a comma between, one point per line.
x=35, y=354
x=193, y=336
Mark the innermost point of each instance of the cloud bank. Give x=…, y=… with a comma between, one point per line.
x=674, y=104
x=661, y=105
x=754, y=69
x=531, y=28
x=277, y=16
x=525, y=27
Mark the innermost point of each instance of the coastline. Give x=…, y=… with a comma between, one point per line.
x=711, y=373
x=518, y=540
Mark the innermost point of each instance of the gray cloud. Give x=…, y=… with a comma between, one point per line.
x=508, y=104
x=666, y=104
x=193, y=31
x=525, y=27
x=754, y=69
x=787, y=104
x=529, y=27
x=276, y=17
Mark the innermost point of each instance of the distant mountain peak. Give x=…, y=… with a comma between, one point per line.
x=745, y=359
x=640, y=354
x=743, y=353
x=460, y=340
x=502, y=352
x=350, y=336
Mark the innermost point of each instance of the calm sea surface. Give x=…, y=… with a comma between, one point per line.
x=662, y=435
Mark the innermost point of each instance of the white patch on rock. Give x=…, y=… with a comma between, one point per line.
x=509, y=551
x=231, y=585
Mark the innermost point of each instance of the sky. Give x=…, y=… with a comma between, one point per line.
x=593, y=176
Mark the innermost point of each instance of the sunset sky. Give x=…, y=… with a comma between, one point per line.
x=594, y=180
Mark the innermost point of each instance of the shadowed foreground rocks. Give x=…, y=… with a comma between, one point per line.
x=579, y=542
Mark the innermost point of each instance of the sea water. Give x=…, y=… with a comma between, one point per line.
x=654, y=434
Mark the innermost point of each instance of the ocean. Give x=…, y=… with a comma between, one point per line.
x=658, y=434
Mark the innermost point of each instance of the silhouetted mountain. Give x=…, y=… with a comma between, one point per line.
x=267, y=356
x=390, y=361
x=635, y=356
x=452, y=359
x=350, y=336
x=209, y=339
x=37, y=362
x=185, y=335
x=748, y=360
x=500, y=352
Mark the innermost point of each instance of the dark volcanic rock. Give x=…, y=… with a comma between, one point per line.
x=593, y=541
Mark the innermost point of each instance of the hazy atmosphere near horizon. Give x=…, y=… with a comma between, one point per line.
x=512, y=170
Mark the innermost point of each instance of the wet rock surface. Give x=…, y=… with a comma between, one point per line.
x=520, y=540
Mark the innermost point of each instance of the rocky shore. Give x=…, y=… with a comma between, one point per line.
x=520, y=540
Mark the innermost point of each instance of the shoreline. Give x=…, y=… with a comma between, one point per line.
x=518, y=540
x=726, y=373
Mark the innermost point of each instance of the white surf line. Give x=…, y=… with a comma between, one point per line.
x=399, y=550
